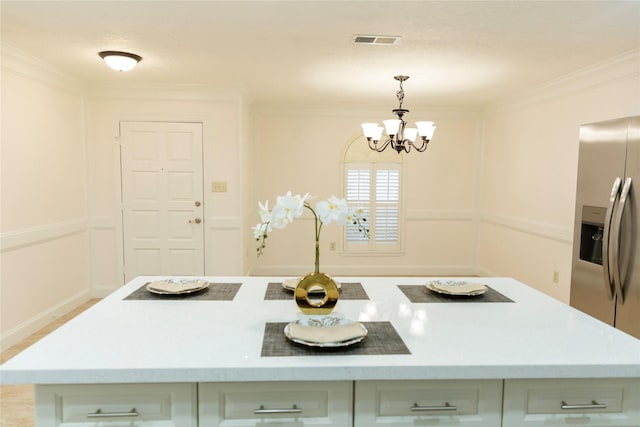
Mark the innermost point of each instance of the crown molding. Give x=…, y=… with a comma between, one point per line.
x=618, y=68
x=23, y=64
x=358, y=111
x=170, y=92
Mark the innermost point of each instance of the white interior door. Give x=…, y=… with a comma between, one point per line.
x=162, y=192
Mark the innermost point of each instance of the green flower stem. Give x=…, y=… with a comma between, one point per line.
x=318, y=228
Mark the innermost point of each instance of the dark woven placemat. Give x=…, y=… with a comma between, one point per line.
x=348, y=290
x=420, y=293
x=381, y=339
x=215, y=292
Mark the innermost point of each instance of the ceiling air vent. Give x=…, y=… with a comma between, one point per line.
x=371, y=39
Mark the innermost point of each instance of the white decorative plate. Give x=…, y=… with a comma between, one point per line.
x=290, y=285
x=325, y=331
x=176, y=286
x=457, y=287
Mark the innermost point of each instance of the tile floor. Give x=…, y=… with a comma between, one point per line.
x=16, y=401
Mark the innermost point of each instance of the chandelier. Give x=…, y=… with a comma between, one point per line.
x=400, y=137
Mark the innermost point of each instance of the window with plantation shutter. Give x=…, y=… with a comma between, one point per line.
x=374, y=187
x=386, y=205
x=358, y=194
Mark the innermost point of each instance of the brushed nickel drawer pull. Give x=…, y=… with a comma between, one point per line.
x=100, y=414
x=592, y=405
x=263, y=410
x=446, y=407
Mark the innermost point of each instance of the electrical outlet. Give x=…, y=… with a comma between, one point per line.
x=556, y=277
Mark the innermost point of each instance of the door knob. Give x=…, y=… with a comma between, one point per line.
x=196, y=221
x=198, y=203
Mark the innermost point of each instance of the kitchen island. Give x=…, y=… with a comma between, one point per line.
x=518, y=345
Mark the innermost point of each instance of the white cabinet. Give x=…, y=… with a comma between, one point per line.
x=443, y=403
x=407, y=403
x=144, y=405
x=572, y=402
x=282, y=404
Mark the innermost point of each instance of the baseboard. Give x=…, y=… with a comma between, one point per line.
x=33, y=325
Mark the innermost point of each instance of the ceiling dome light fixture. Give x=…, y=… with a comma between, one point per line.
x=400, y=137
x=120, y=61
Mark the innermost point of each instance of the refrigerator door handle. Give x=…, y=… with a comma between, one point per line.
x=615, y=250
x=613, y=197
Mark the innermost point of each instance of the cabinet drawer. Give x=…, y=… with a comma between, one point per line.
x=445, y=403
x=149, y=405
x=572, y=402
x=275, y=403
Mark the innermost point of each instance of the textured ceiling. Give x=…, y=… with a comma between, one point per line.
x=457, y=53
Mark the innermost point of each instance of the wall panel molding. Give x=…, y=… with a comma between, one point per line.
x=223, y=222
x=546, y=230
x=103, y=223
x=43, y=233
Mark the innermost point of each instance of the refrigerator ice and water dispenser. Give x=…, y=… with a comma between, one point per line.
x=592, y=233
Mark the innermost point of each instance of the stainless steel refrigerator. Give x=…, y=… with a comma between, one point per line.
x=605, y=279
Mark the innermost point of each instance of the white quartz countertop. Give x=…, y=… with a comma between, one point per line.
x=142, y=341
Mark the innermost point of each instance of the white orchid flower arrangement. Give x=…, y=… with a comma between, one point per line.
x=290, y=207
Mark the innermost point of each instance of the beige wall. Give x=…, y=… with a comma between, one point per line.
x=302, y=151
x=529, y=169
x=45, y=256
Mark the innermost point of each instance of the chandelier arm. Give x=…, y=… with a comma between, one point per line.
x=395, y=145
x=381, y=148
x=404, y=145
x=377, y=146
x=422, y=147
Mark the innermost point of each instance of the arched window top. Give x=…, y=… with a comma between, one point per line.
x=358, y=151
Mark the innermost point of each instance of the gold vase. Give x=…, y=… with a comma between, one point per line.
x=327, y=304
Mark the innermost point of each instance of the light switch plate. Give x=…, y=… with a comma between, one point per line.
x=219, y=186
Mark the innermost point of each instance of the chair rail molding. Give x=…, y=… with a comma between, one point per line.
x=438, y=215
x=42, y=233
x=546, y=230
